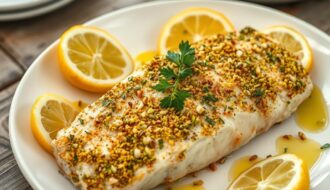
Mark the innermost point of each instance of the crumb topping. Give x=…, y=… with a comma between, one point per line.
x=234, y=72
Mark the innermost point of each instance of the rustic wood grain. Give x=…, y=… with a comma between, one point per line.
x=9, y=71
x=22, y=41
x=11, y=177
x=315, y=12
x=26, y=39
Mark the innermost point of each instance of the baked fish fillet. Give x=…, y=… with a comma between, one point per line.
x=242, y=84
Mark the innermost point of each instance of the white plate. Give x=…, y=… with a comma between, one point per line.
x=274, y=1
x=137, y=28
x=32, y=11
x=11, y=5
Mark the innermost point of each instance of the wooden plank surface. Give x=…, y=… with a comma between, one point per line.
x=22, y=41
x=10, y=175
x=9, y=71
x=26, y=39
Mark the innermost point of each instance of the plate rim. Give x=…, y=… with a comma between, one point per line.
x=33, y=11
x=27, y=173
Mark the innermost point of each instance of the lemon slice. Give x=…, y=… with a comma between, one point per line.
x=285, y=172
x=293, y=41
x=49, y=114
x=144, y=57
x=92, y=59
x=192, y=24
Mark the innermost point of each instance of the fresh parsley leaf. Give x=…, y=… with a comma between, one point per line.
x=176, y=100
x=173, y=57
x=185, y=73
x=166, y=102
x=168, y=73
x=325, y=146
x=187, y=53
x=221, y=120
x=180, y=97
x=162, y=86
x=209, y=121
x=184, y=60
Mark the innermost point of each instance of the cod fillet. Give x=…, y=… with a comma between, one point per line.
x=242, y=84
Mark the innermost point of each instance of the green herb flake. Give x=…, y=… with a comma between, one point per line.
x=210, y=98
x=221, y=121
x=71, y=137
x=258, y=92
x=205, y=89
x=285, y=150
x=209, y=121
x=161, y=143
x=106, y=102
x=81, y=121
x=75, y=158
x=325, y=146
x=271, y=57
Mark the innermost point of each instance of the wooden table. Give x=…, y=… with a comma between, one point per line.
x=22, y=41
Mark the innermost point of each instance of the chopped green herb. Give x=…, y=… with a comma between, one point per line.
x=87, y=132
x=271, y=57
x=209, y=121
x=161, y=143
x=325, y=146
x=258, y=92
x=210, y=98
x=221, y=121
x=81, y=121
x=285, y=150
x=106, y=102
x=130, y=79
x=71, y=137
x=298, y=84
x=205, y=89
x=206, y=64
x=123, y=95
x=75, y=158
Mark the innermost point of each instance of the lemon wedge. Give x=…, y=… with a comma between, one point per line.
x=50, y=113
x=293, y=41
x=285, y=172
x=92, y=59
x=192, y=25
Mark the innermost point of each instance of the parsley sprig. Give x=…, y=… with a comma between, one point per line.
x=171, y=78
